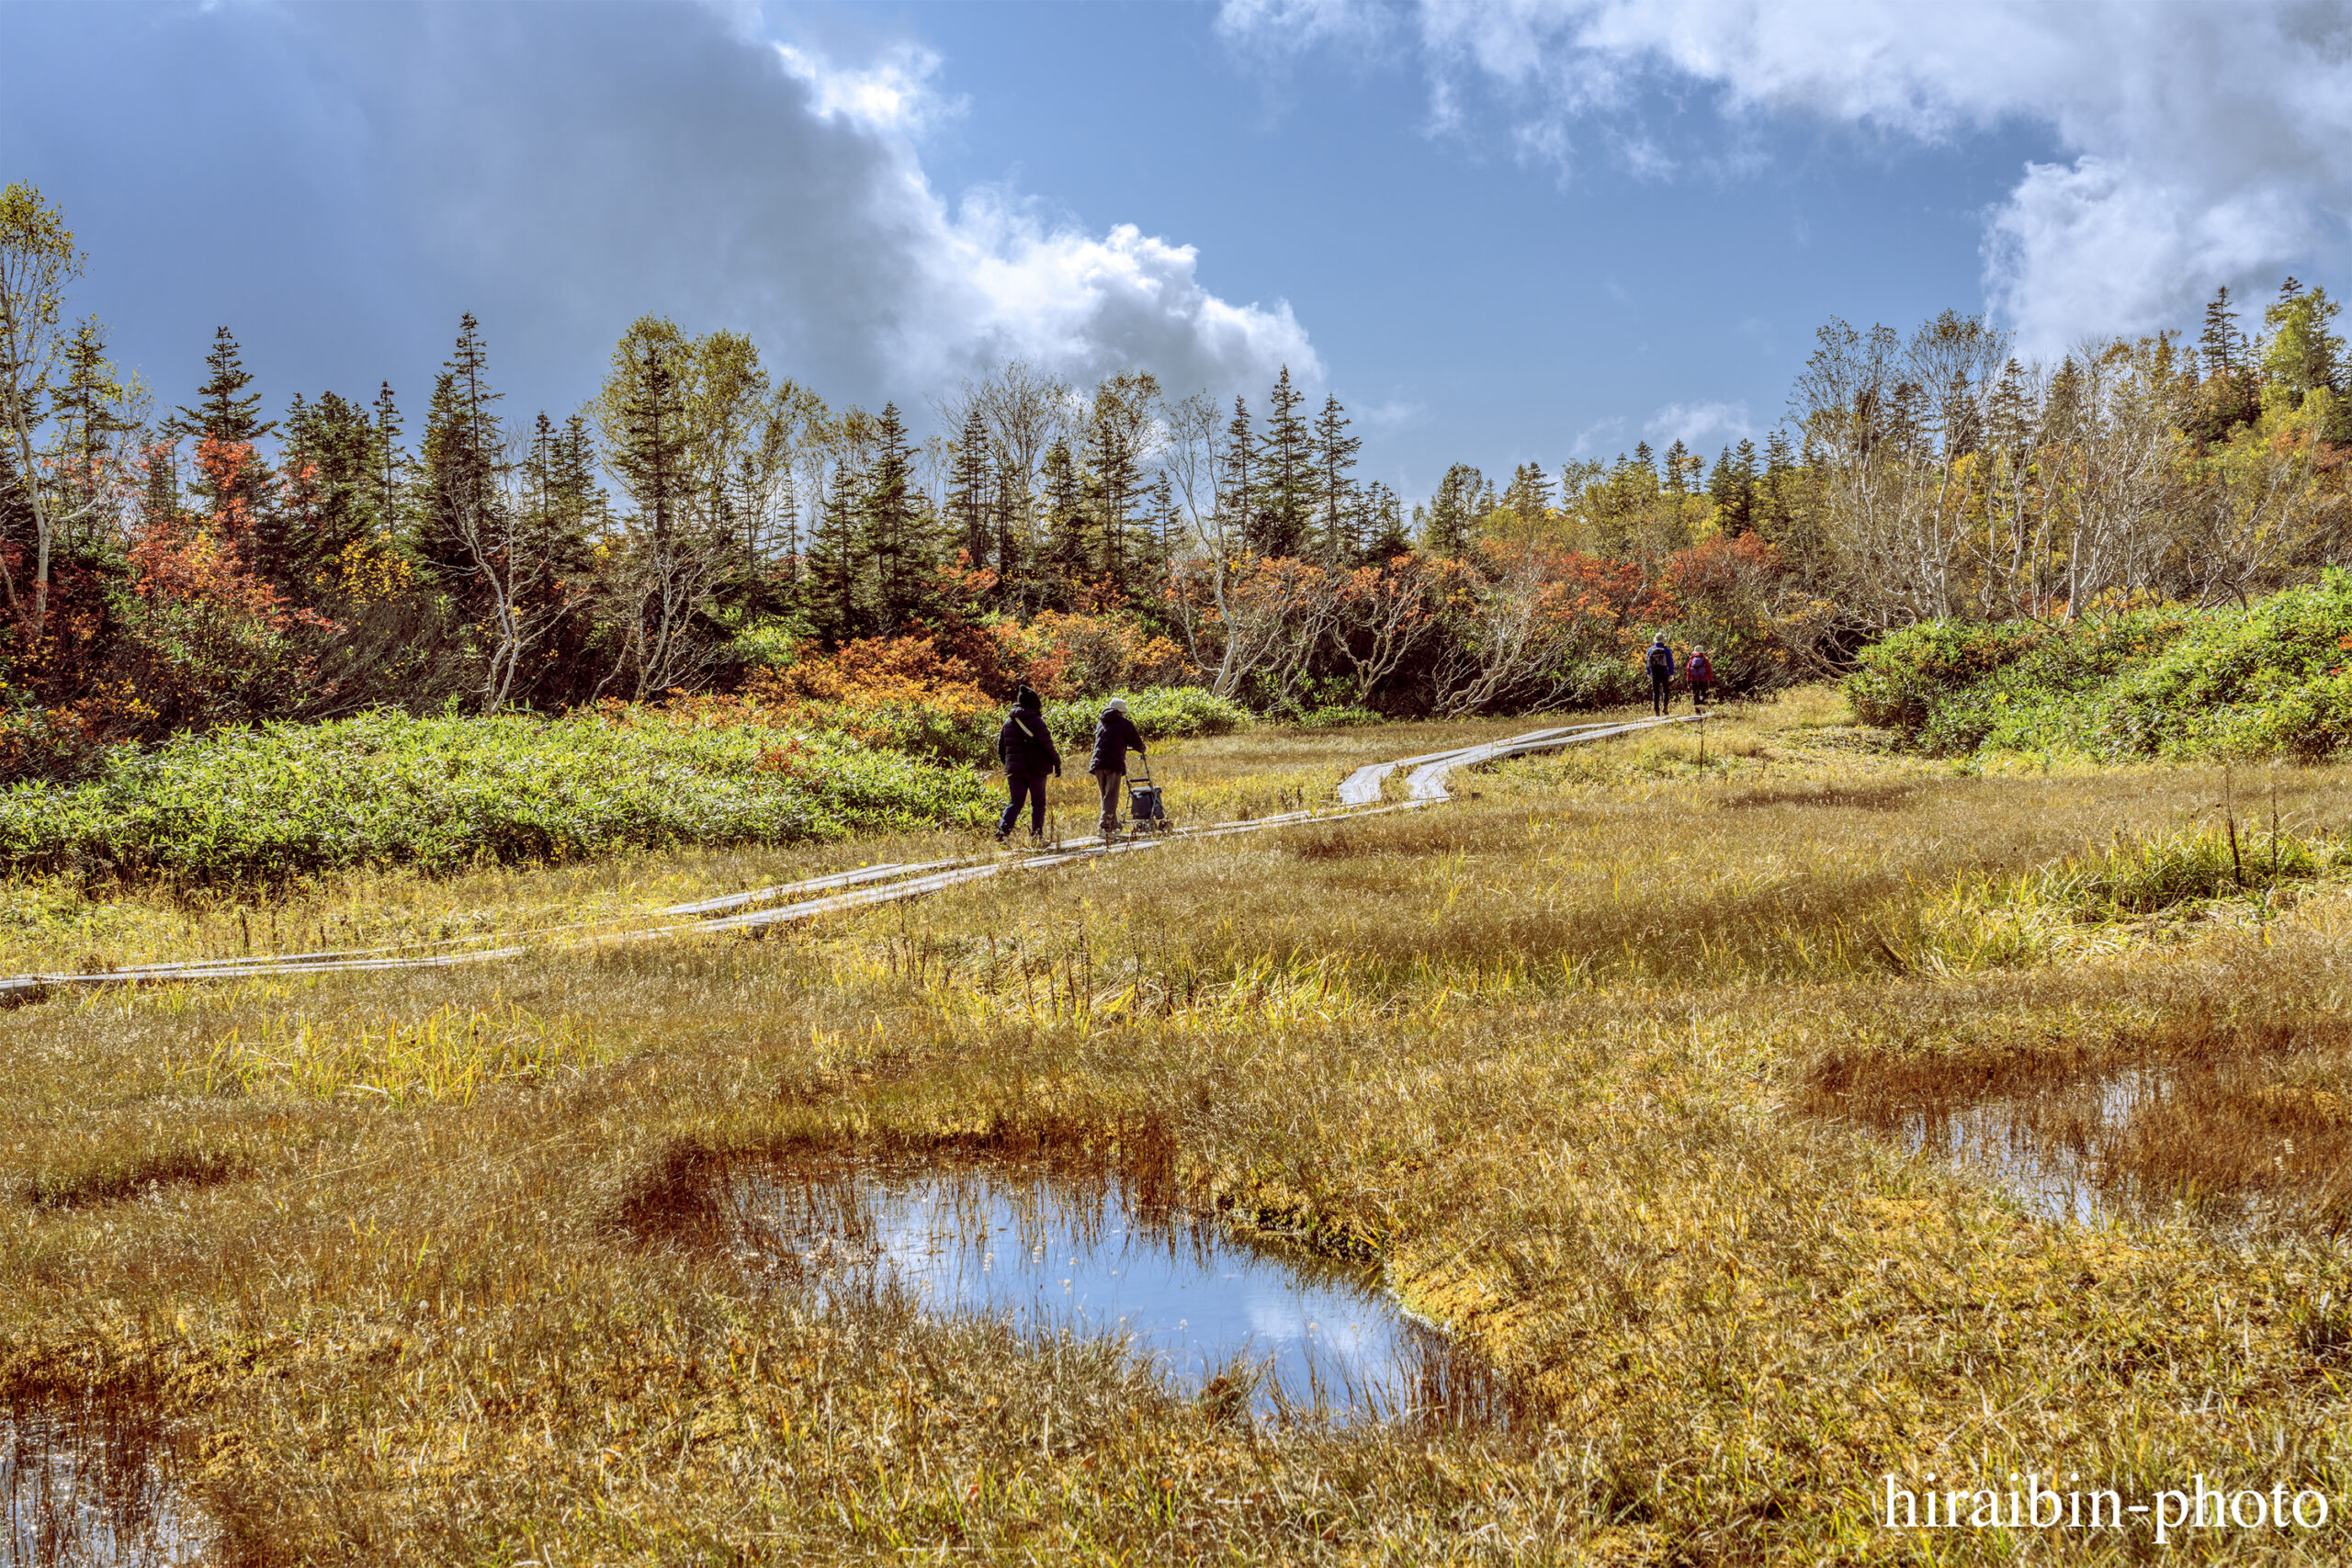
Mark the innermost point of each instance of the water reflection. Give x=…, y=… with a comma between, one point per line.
x=1052, y=1251
x=83, y=1483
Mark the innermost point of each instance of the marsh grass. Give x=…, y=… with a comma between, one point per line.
x=87, y=1480
x=1584, y=1064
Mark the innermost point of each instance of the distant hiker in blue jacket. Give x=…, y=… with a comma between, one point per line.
x=1114, y=736
x=1026, y=748
x=1661, y=667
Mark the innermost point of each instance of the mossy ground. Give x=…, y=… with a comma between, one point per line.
x=1570, y=1054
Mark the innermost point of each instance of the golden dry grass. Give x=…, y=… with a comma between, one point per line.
x=1591, y=1061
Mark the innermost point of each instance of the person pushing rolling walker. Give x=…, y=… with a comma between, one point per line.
x=1114, y=736
x=1661, y=667
x=1025, y=745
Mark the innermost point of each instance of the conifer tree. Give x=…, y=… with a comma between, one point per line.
x=328, y=460
x=1013, y=565
x=834, y=592
x=1338, y=514
x=650, y=458
x=1451, y=525
x=1677, y=469
x=388, y=469
x=1115, y=431
x=88, y=407
x=1239, y=504
x=970, y=492
x=1062, y=489
x=1386, y=537
x=1530, y=496
x=898, y=528
x=1166, y=533
x=159, y=501
x=1731, y=485
x=462, y=459
x=232, y=493
x=1286, y=476
x=2303, y=353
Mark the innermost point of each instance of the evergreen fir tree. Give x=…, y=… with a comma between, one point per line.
x=898, y=528
x=233, y=495
x=1239, y=504
x=462, y=458
x=1731, y=485
x=1285, y=510
x=159, y=501
x=1063, y=492
x=651, y=460
x=1165, y=535
x=87, y=407
x=1677, y=469
x=1451, y=525
x=1013, y=585
x=1114, y=473
x=388, y=469
x=327, y=507
x=1530, y=496
x=970, y=492
x=834, y=592
x=1339, y=510
x=1384, y=525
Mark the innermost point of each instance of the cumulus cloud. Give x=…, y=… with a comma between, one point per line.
x=581, y=166
x=2203, y=143
x=1700, y=426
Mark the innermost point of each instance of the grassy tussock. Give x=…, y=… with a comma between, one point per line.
x=1587, y=1063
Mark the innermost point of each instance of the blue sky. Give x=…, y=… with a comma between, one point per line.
x=1500, y=231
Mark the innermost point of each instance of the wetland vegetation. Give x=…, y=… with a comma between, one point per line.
x=1618, y=1066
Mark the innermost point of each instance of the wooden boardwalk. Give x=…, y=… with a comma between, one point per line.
x=1359, y=795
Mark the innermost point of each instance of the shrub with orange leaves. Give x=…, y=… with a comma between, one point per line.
x=206, y=640
x=902, y=692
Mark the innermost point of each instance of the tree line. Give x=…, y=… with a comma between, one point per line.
x=1937, y=475
x=701, y=514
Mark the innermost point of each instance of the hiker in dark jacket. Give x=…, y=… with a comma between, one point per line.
x=1114, y=736
x=1026, y=748
x=1703, y=681
x=1661, y=667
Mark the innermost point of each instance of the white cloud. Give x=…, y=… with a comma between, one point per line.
x=1699, y=426
x=579, y=167
x=2205, y=143
x=1597, y=437
x=890, y=94
x=1392, y=413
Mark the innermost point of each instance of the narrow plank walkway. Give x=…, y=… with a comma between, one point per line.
x=1358, y=795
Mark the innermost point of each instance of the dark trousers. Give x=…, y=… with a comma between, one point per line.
x=1111, y=781
x=1033, y=787
x=1661, y=691
x=1702, y=694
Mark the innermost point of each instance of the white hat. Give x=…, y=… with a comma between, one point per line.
x=1118, y=704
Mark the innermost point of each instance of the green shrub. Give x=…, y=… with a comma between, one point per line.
x=283, y=800
x=1902, y=678
x=1163, y=712
x=2273, y=678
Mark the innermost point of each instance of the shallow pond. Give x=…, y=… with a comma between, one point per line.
x=85, y=1483
x=2046, y=1150
x=1052, y=1252
x=2237, y=1146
